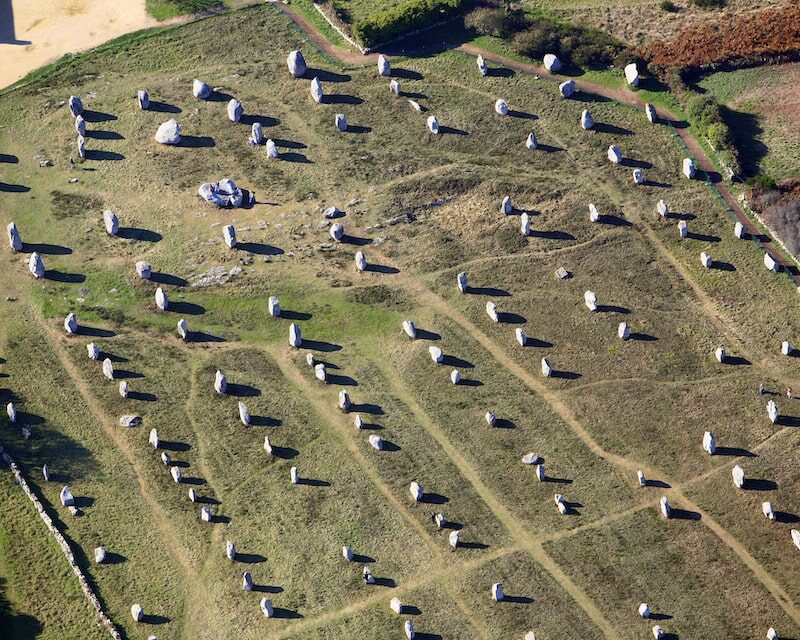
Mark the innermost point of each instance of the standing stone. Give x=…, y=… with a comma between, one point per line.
x=462, y=282
x=337, y=231
x=566, y=89
x=247, y=581
x=436, y=354
x=394, y=87
x=137, y=613
x=709, y=443
x=169, y=132
x=650, y=112
x=81, y=142
x=531, y=142
x=183, y=330
x=409, y=329
x=587, y=121
x=501, y=107
x=100, y=555
x=162, y=301
x=416, y=491
x=662, y=208
x=14, y=239
x=201, y=90
x=506, y=206
x=295, y=336
x=547, y=370
x=497, y=592
x=688, y=168
x=433, y=125
x=80, y=126
x=614, y=154
x=632, y=74
x=220, y=383
x=638, y=176
x=266, y=608
x=123, y=389
x=316, y=90
x=341, y=122
x=71, y=323
x=590, y=300
x=274, y=307
x=244, y=414
x=525, y=224
x=144, y=269
x=235, y=110
x=482, y=68
x=143, y=99
x=683, y=229
x=738, y=230
x=229, y=236
x=75, y=106
x=11, y=410
x=272, y=150
x=111, y=221
x=297, y=64
x=108, y=369
x=623, y=331
x=256, y=134
x=552, y=63
x=384, y=68
x=361, y=261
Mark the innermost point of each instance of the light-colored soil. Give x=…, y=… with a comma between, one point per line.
x=36, y=32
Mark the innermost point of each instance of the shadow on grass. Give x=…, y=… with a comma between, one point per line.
x=132, y=233
x=46, y=249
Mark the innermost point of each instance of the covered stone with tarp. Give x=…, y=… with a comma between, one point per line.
x=224, y=193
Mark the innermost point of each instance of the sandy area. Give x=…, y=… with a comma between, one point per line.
x=35, y=32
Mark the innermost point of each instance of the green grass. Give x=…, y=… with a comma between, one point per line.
x=760, y=125
x=648, y=400
x=166, y=9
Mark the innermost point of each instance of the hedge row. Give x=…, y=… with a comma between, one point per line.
x=409, y=16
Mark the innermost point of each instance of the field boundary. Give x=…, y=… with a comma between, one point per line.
x=66, y=549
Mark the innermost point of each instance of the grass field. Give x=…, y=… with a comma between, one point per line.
x=423, y=209
x=762, y=113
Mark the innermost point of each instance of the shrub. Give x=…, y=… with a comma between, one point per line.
x=762, y=182
x=401, y=19
x=341, y=11
x=719, y=135
x=668, y=5
x=487, y=21
x=535, y=41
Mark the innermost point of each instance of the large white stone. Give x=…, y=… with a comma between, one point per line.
x=297, y=64
x=169, y=132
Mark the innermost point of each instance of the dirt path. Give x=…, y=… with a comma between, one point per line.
x=160, y=518
x=341, y=424
x=499, y=510
x=621, y=95
x=422, y=580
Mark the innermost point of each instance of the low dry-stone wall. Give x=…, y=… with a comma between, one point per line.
x=105, y=621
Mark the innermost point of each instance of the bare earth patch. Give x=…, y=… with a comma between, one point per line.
x=33, y=34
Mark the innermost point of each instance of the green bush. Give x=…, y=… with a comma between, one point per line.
x=487, y=21
x=575, y=45
x=719, y=135
x=341, y=11
x=761, y=182
x=668, y=5
x=404, y=18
